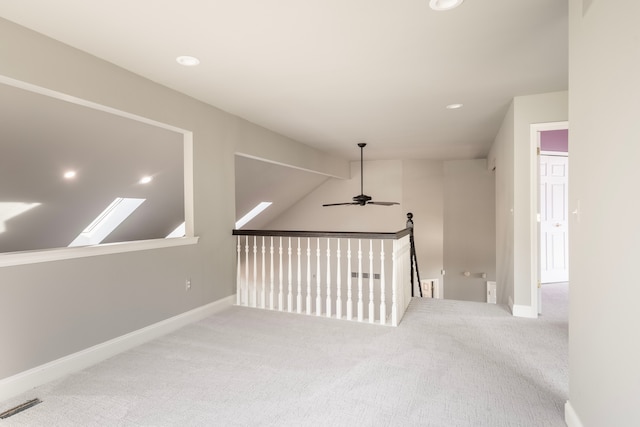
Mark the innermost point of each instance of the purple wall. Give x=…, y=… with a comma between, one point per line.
x=555, y=140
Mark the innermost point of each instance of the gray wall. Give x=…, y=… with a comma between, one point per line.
x=423, y=195
x=501, y=161
x=604, y=343
x=53, y=309
x=469, y=229
x=452, y=202
x=512, y=156
x=382, y=181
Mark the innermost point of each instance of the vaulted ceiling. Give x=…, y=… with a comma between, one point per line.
x=330, y=73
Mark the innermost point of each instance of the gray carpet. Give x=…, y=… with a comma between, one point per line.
x=450, y=363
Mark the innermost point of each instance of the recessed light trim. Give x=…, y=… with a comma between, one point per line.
x=187, y=61
x=442, y=5
x=453, y=106
x=145, y=179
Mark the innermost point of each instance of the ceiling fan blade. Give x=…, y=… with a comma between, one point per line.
x=383, y=203
x=341, y=204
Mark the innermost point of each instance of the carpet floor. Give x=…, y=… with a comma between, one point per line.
x=449, y=363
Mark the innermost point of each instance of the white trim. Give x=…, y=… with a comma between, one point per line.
x=554, y=153
x=83, y=102
x=570, y=416
x=273, y=162
x=32, y=257
x=188, y=185
x=534, y=191
x=25, y=381
x=524, y=311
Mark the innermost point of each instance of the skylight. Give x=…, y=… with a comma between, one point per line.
x=107, y=221
x=10, y=210
x=252, y=214
x=180, y=231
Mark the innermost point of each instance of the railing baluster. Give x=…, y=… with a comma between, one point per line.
x=239, y=272
x=308, y=299
x=328, y=278
x=245, y=289
x=338, y=284
x=289, y=280
x=318, y=289
x=271, y=274
x=383, y=307
x=394, y=283
x=330, y=299
x=360, y=306
x=372, y=313
x=264, y=281
x=254, y=290
x=280, y=296
x=299, y=276
x=349, y=283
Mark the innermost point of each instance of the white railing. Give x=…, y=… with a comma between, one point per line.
x=362, y=277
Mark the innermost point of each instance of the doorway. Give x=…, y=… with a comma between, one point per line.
x=549, y=181
x=554, y=231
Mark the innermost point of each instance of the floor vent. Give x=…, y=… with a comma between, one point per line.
x=20, y=408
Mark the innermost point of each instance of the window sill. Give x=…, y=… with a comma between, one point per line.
x=32, y=257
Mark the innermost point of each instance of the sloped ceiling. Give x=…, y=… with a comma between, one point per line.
x=43, y=137
x=258, y=181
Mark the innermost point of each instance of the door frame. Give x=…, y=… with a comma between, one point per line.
x=534, y=217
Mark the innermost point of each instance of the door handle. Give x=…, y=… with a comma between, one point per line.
x=557, y=224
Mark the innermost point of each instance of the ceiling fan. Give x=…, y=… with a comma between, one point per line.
x=362, y=199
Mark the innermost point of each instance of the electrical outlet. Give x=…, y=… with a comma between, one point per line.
x=187, y=285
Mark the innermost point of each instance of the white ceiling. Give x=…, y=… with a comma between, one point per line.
x=331, y=73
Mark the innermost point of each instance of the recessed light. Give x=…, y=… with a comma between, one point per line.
x=453, y=106
x=188, y=61
x=444, y=4
x=69, y=174
x=145, y=179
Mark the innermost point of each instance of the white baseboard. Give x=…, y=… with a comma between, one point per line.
x=570, y=416
x=24, y=381
x=522, y=310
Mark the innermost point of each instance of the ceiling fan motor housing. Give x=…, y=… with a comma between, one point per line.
x=362, y=199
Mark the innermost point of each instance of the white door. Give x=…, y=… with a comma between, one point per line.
x=554, y=235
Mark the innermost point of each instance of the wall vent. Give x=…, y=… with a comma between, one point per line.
x=354, y=275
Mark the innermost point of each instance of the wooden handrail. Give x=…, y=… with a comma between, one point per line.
x=325, y=234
